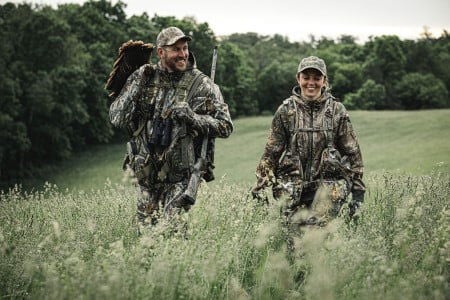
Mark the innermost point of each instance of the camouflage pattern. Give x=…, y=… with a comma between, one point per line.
x=169, y=36
x=157, y=200
x=292, y=162
x=313, y=62
x=152, y=94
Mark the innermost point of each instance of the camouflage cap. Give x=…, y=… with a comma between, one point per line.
x=169, y=36
x=313, y=62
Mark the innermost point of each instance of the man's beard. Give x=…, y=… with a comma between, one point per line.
x=173, y=66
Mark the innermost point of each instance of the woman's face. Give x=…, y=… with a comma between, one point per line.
x=311, y=82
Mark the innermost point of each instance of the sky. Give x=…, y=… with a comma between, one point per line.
x=298, y=19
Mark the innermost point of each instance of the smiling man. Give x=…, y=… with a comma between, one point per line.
x=170, y=108
x=173, y=49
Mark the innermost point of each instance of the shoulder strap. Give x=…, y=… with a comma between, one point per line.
x=197, y=80
x=329, y=123
x=140, y=128
x=191, y=84
x=295, y=122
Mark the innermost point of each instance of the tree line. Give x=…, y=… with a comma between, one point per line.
x=54, y=63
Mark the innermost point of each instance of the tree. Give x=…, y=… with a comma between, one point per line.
x=239, y=88
x=419, y=91
x=274, y=84
x=441, y=58
x=140, y=28
x=347, y=79
x=386, y=59
x=100, y=27
x=370, y=96
x=385, y=64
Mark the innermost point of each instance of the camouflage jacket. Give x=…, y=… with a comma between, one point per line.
x=298, y=138
x=148, y=94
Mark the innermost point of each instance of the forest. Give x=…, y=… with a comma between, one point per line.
x=54, y=63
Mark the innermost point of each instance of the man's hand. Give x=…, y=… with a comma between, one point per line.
x=182, y=112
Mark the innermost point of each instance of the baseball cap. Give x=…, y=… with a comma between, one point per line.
x=169, y=36
x=313, y=62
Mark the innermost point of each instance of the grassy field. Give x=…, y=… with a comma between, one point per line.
x=79, y=241
x=411, y=142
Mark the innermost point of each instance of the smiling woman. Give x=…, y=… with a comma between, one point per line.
x=311, y=77
x=312, y=156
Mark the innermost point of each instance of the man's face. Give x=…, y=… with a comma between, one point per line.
x=311, y=82
x=174, y=57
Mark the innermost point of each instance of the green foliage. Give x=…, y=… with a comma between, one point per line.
x=140, y=29
x=347, y=79
x=237, y=89
x=370, y=96
x=386, y=61
x=416, y=91
x=275, y=83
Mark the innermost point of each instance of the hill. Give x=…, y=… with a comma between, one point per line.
x=395, y=141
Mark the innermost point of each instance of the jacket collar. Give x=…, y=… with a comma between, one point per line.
x=317, y=102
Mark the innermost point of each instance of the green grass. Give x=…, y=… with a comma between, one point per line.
x=77, y=239
x=84, y=171
x=407, y=141
x=400, y=141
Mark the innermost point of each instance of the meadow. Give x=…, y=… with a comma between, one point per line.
x=75, y=236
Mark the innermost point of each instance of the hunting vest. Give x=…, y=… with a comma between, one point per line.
x=175, y=162
x=296, y=127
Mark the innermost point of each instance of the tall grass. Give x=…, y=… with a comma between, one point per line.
x=58, y=244
x=79, y=240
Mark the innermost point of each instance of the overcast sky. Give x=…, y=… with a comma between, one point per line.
x=298, y=19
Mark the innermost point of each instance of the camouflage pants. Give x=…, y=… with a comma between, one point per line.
x=159, y=199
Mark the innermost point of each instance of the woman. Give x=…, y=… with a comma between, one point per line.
x=312, y=147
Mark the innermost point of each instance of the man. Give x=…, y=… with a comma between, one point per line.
x=170, y=108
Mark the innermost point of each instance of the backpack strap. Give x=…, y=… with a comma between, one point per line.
x=296, y=124
x=329, y=122
x=140, y=128
x=187, y=87
x=197, y=80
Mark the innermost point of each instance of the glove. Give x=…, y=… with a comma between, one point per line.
x=203, y=123
x=290, y=165
x=357, y=199
x=183, y=112
x=259, y=195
